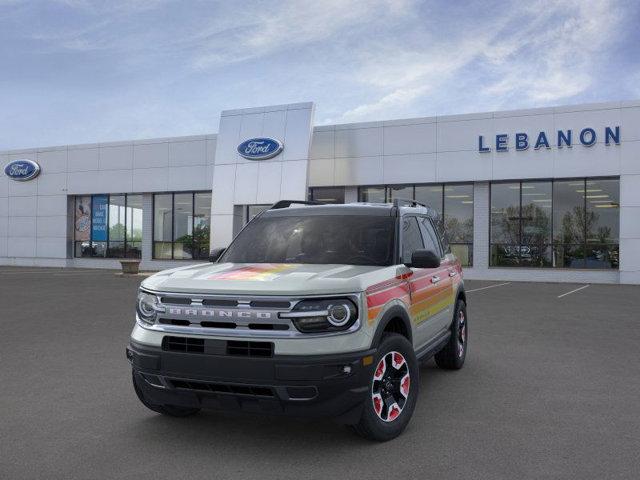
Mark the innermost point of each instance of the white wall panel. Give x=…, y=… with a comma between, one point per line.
x=358, y=142
x=322, y=172
x=22, y=189
x=269, y=180
x=223, y=190
x=117, y=157
x=21, y=246
x=22, y=206
x=228, y=140
x=579, y=161
x=192, y=178
x=52, y=184
x=456, y=136
x=273, y=126
x=52, y=161
x=359, y=171
x=528, y=163
x=52, y=226
x=150, y=180
x=51, y=247
x=297, y=135
x=51, y=205
x=151, y=155
x=246, y=182
x=294, y=180
x=630, y=124
x=322, y=144
x=22, y=227
x=463, y=166
x=420, y=138
x=630, y=157
x=415, y=168
x=84, y=182
x=115, y=181
x=83, y=159
x=188, y=153
x=630, y=191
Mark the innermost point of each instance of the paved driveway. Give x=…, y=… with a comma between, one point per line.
x=551, y=389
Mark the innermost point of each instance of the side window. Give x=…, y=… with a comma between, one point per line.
x=411, y=238
x=430, y=237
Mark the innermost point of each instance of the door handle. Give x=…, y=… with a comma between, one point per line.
x=435, y=279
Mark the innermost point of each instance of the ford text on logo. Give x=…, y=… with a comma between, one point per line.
x=22, y=170
x=564, y=138
x=260, y=148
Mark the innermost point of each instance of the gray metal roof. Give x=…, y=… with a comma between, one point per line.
x=373, y=209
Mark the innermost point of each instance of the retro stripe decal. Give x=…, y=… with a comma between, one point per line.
x=259, y=272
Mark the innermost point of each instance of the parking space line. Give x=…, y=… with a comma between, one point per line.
x=488, y=286
x=573, y=291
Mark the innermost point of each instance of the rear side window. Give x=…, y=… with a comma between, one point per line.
x=411, y=238
x=430, y=237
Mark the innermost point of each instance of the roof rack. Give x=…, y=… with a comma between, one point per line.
x=401, y=202
x=288, y=203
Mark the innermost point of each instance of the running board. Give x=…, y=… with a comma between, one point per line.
x=433, y=347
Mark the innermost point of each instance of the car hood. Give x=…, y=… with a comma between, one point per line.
x=262, y=279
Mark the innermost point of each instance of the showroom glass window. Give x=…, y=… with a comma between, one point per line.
x=562, y=223
x=108, y=226
x=452, y=202
x=327, y=194
x=181, y=225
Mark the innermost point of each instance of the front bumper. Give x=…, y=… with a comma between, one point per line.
x=297, y=385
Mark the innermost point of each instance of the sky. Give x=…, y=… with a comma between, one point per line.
x=80, y=71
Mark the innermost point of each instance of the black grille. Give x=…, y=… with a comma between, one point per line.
x=270, y=304
x=183, y=344
x=249, y=349
x=176, y=300
x=219, y=302
x=253, y=390
x=268, y=326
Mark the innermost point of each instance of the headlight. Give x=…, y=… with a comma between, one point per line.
x=327, y=315
x=147, y=307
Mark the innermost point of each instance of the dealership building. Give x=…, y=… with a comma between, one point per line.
x=548, y=194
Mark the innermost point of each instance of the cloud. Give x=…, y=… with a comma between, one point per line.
x=541, y=53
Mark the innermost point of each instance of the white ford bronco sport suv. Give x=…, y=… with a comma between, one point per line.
x=313, y=310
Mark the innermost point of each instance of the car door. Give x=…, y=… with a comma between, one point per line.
x=443, y=299
x=423, y=284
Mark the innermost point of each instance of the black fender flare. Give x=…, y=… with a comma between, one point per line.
x=396, y=311
x=460, y=295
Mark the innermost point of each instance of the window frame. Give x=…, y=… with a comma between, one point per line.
x=125, y=240
x=553, y=245
x=172, y=241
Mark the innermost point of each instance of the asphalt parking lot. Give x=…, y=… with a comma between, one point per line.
x=551, y=389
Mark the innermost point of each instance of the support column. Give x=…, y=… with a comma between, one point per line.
x=629, y=229
x=481, y=216
x=147, y=227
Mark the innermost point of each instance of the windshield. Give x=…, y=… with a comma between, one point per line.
x=324, y=239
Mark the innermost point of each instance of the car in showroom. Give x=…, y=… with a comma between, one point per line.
x=312, y=310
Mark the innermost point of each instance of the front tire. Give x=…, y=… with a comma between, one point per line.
x=393, y=390
x=452, y=356
x=170, y=410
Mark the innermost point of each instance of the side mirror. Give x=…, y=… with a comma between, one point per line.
x=424, y=259
x=215, y=254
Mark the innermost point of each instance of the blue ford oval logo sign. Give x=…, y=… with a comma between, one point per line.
x=260, y=148
x=22, y=170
